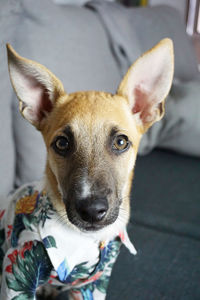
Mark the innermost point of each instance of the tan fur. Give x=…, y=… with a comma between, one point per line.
x=91, y=115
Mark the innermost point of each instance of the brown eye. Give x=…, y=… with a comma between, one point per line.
x=61, y=144
x=121, y=143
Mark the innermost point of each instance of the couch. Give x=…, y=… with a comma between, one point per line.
x=89, y=49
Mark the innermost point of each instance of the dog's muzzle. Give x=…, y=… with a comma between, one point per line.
x=91, y=213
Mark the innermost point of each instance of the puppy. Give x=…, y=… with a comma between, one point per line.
x=67, y=230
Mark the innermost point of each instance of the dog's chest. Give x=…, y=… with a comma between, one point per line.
x=76, y=258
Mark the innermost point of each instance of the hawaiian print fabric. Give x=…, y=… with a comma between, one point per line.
x=36, y=247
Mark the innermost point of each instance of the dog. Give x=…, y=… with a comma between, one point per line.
x=66, y=231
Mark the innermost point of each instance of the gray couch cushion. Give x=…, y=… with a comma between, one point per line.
x=135, y=30
x=9, y=11
x=166, y=267
x=123, y=38
x=182, y=119
x=71, y=42
x=179, y=130
x=166, y=192
x=151, y=25
x=154, y=23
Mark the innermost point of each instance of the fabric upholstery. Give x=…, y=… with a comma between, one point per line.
x=165, y=193
x=179, y=130
x=166, y=267
x=151, y=25
x=157, y=22
x=8, y=20
x=135, y=30
x=123, y=37
x=75, y=50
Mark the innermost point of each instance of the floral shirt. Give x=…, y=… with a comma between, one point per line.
x=36, y=247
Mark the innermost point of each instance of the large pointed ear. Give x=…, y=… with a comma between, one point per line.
x=147, y=83
x=36, y=87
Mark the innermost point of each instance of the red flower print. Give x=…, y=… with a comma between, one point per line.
x=27, y=246
x=76, y=281
x=10, y=227
x=93, y=278
x=9, y=269
x=51, y=277
x=2, y=213
x=12, y=256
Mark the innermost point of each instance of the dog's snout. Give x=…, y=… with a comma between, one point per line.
x=91, y=209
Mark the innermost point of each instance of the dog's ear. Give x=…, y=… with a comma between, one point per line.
x=36, y=87
x=147, y=83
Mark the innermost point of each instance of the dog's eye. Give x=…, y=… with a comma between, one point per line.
x=120, y=143
x=61, y=144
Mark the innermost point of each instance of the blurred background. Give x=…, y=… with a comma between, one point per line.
x=89, y=46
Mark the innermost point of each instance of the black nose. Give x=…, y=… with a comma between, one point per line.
x=92, y=209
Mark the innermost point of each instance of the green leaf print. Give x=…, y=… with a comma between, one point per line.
x=23, y=297
x=102, y=283
x=31, y=269
x=28, y=221
x=14, y=285
x=79, y=271
x=49, y=242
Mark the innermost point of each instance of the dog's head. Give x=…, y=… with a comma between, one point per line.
x=92, y=137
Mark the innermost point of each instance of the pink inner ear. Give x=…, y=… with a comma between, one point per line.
x=140, y=97
x=37, y=99
x=143, y=104
x=44, y=105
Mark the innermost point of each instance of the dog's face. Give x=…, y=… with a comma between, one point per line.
x=91, y=154
x=92, y=138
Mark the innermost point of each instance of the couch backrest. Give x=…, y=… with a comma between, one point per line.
x=71, y=42
x=155, y=23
